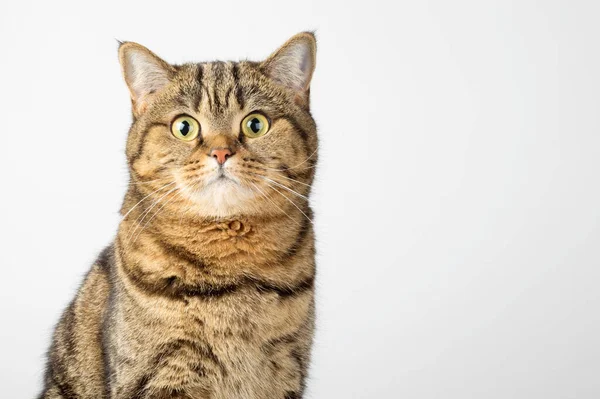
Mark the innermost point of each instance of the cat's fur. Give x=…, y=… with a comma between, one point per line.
x=208, y=288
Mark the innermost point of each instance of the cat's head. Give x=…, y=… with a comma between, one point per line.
x=221, y=139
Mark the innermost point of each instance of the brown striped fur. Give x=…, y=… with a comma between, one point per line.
x=208, y=288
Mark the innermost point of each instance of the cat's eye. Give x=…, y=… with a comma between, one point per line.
x=185, y=128
x=255, y=125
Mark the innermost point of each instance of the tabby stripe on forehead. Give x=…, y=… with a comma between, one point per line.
x=208, y=97
x=218, y=69
x=217, y=109
x=227, y=95
x=182, y=98
x=239, y=95
x=198, y=94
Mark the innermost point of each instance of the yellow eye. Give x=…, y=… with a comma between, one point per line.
x=185, y=128
x=255, y=125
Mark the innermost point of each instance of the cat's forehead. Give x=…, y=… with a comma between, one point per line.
x=219, y=88
x=220, y=74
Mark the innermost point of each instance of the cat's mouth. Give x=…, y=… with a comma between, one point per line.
x=222, y=176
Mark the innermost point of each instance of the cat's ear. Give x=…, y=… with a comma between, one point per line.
x=293, y=64
x=144, y=72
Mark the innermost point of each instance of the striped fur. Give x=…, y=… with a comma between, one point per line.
x=208, y=288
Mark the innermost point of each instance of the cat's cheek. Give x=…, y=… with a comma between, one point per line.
x=145, y=167
x=142, y=168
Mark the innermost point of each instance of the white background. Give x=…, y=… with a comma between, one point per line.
x=457, y=198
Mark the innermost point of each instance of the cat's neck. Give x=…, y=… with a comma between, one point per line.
x=234, y=240
x=214, y=253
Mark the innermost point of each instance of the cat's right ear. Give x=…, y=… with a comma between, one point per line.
x=144, y=72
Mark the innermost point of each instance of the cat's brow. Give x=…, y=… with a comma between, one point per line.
x=198, y=93
x=239, y=93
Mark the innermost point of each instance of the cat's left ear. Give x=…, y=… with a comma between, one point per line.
x=144, y=72
x=293, y=64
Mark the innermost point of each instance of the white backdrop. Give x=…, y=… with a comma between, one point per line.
x=457, y=198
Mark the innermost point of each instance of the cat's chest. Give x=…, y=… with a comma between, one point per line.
x=204, y=342
x=245, y=316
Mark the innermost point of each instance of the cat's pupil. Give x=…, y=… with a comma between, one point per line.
x=255, y=125
x=184, y=128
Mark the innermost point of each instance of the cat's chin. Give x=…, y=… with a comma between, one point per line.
x=223, y=198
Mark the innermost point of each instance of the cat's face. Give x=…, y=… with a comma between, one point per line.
x=222, y=139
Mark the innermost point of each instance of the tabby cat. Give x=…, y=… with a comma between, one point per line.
x=208, y=288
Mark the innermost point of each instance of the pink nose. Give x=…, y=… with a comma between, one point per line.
x=221, y=154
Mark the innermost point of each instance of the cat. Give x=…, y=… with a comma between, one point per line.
x=207, y=290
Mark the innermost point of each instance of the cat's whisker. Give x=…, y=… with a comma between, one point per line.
x=296, y=166
x=153, y=192
x=156, y=213
x=297, y=169
x=294, y=180
x=291, y=202
x=286, y=169
x=306, y=160
x=283, y=177
x=285, y=187
x=148, y=181
x=274, y=203
x=146, y=213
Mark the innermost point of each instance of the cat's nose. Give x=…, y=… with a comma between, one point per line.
x=221, y=154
